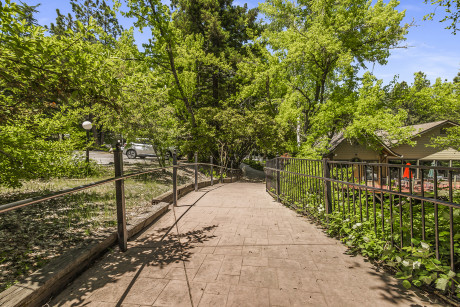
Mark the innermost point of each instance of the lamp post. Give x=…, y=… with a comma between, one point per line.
x=87, y=125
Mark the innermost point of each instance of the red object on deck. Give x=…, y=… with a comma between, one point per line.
x=407, y=171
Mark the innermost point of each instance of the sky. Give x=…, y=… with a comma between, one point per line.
x=431, y=48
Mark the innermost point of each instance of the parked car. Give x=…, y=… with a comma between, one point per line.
x=142, y=150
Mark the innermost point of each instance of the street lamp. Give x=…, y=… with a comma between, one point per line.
x=87, y=125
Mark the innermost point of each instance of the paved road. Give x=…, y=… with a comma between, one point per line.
x=236, y=247
x=251, y=173
x=102, y=157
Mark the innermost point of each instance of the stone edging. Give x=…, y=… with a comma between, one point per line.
x=54, y=276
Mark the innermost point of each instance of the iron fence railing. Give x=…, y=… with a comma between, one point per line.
x=400, y=202
x=120, y=190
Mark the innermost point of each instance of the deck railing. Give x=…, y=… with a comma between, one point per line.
x=402, y=204
x=120, y=190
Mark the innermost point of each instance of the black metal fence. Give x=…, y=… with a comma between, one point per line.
x=402, y=204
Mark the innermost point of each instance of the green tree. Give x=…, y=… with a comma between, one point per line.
x=170, y=53
x=457, y=78
x=103, y=15
x=199, y=62
x=373, y=120
x=44, y=82
x=142, y=107
x=452, y=10
x=100, y=14
x=227, y=30
x=416, y=99
x=95, y=12
x=425, y=102
x=26, y=12
x=62, y=25
x=321, y=45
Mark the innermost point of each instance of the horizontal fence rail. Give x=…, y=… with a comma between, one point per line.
x=30, y=201
x=401, y=204
x=119, y=188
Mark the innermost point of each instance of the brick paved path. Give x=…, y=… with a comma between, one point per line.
x=238, y=248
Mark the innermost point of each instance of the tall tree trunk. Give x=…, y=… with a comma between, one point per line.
x=172, y=64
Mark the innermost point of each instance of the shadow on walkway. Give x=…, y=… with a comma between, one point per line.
x=237, y=247
x=148, y=255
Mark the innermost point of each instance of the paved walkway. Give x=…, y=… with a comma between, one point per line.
x=237, y=247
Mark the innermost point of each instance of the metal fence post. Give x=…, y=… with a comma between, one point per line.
x=327, y=188
x=278, y=189
x=120, y=199
x=221, y=174
x=231, y=171
x=174, y=178
x=212, y=175
x=196, y=171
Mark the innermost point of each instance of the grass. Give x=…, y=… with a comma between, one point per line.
x=33, y=235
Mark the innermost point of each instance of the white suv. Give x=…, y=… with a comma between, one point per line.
x=141, y=150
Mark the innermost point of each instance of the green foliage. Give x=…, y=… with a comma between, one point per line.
x=451, y=140
x=320, y=47
x=415, y=265
x=215, y=174
x=198, y=53
x=27, y=152
x=358, y=222
x=26, y=13
x=87, y=12
x=370, y=114
x=212, y=78
x=452, y=10
x=45, y=82
x=375, y=113
x=424, y=102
